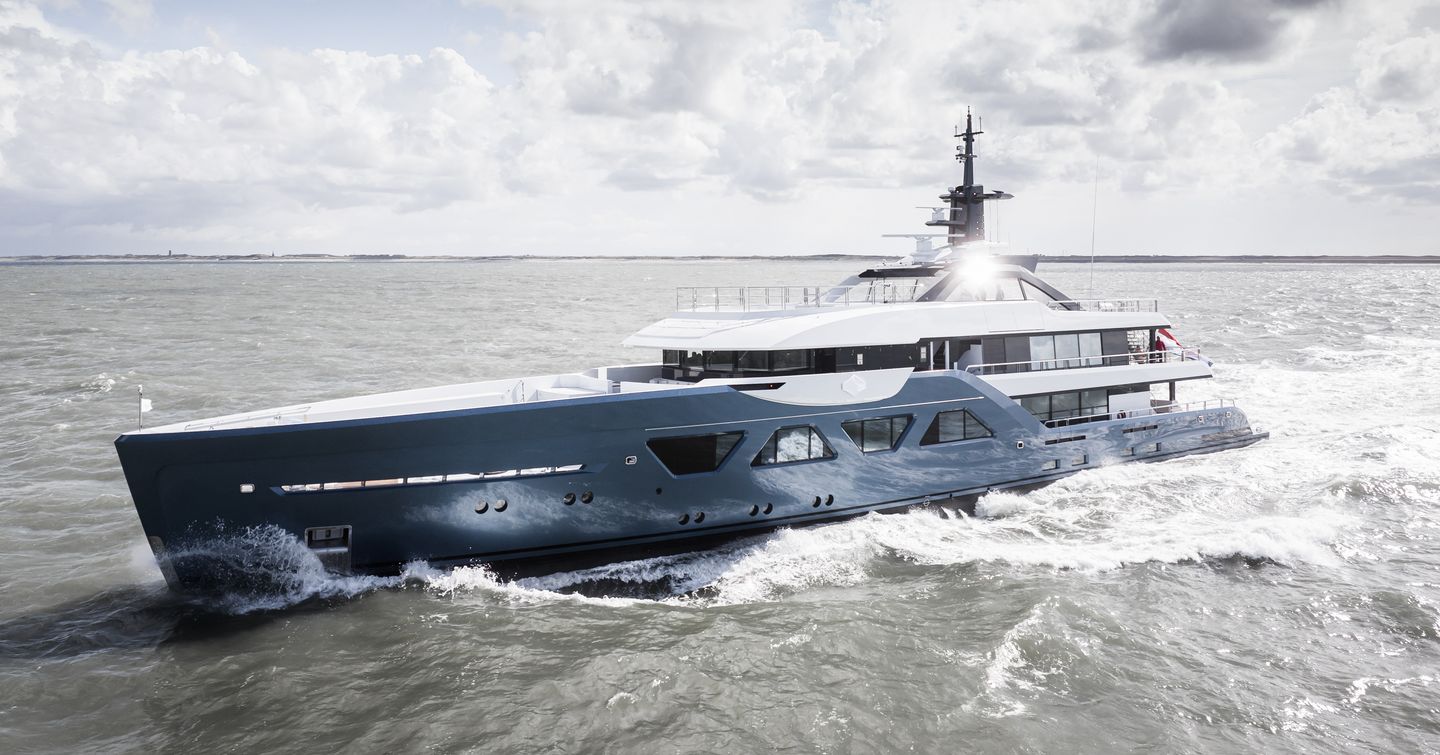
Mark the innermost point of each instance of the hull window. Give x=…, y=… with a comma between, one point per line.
x=879, y=434
x=792, y=444
x=694, y=454
x=955, y=425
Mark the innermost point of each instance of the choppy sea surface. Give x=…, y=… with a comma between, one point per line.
x=1280, y=598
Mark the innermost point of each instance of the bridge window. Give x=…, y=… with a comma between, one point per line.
x=790, y=360
x=754, y=361
x=878, y=434
x=694, y=454
x=954, y=425
x=792, y=444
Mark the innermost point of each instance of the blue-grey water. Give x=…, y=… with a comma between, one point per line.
x=1280, y=598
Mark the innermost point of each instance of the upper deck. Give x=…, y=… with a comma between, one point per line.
x=779, y=299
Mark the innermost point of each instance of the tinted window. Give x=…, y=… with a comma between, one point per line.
x=754, y=360
x=1091, y=348
x=720, y=361
x=1112, y=344
x=1064, y=405
x=1042, y=351
x=793, y=359
x=879, y=434
x=1037, y=405
x=791, y=444
x=1067, y=347
x=954, y=425
x=1017, y=349
x=693, y=454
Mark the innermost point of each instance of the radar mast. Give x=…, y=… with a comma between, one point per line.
x=964, y=216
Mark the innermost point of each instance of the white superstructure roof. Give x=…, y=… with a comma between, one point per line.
x=874, y=325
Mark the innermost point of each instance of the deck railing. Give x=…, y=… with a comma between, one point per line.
x=761, y=298
x=1169, y=407
x=898, y=291
x=1092, y=360
x=1107, y=305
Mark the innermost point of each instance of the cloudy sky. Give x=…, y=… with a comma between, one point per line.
x=686, y=127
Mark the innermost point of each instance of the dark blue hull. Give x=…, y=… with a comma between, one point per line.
x=624, y=502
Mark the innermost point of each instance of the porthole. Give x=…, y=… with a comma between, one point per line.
x=684, y=518
x=247, y=487
x=587, y=497
x=754, y=510
x=815, y=503
x=769, y=508
x=568, y=499
x=658, y=491
x=482, y=507
x=829, y=499
x=501, y=505
x=700, y=517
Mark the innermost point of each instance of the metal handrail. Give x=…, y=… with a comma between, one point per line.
x=1109, y=305
x=1101, y=360
x=1170, y=407
x=759, y=298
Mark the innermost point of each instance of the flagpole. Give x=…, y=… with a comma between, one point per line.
x=140, y=408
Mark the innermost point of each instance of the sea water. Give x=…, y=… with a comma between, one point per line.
x=1281, y=598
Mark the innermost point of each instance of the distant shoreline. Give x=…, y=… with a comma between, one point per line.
x=40, y=259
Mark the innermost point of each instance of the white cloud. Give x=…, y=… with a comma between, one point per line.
x=746, y=101
x=1377, y=137
x=92, y=138
x=131, y=14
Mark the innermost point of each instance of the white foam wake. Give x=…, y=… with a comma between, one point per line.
x=1187, y=511
x=266, y=569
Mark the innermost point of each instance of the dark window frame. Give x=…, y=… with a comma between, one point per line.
x=771, y=444
x=966, y=420
x=896, y=439
x=719, y=465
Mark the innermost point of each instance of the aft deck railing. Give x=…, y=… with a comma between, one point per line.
x=1169, y=407
x=1107, y=305
x=1091, y=360
x=761, y=298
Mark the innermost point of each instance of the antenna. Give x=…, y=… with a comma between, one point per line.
x=1094, y=209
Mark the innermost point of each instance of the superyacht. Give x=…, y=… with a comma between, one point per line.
x=935, y=379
